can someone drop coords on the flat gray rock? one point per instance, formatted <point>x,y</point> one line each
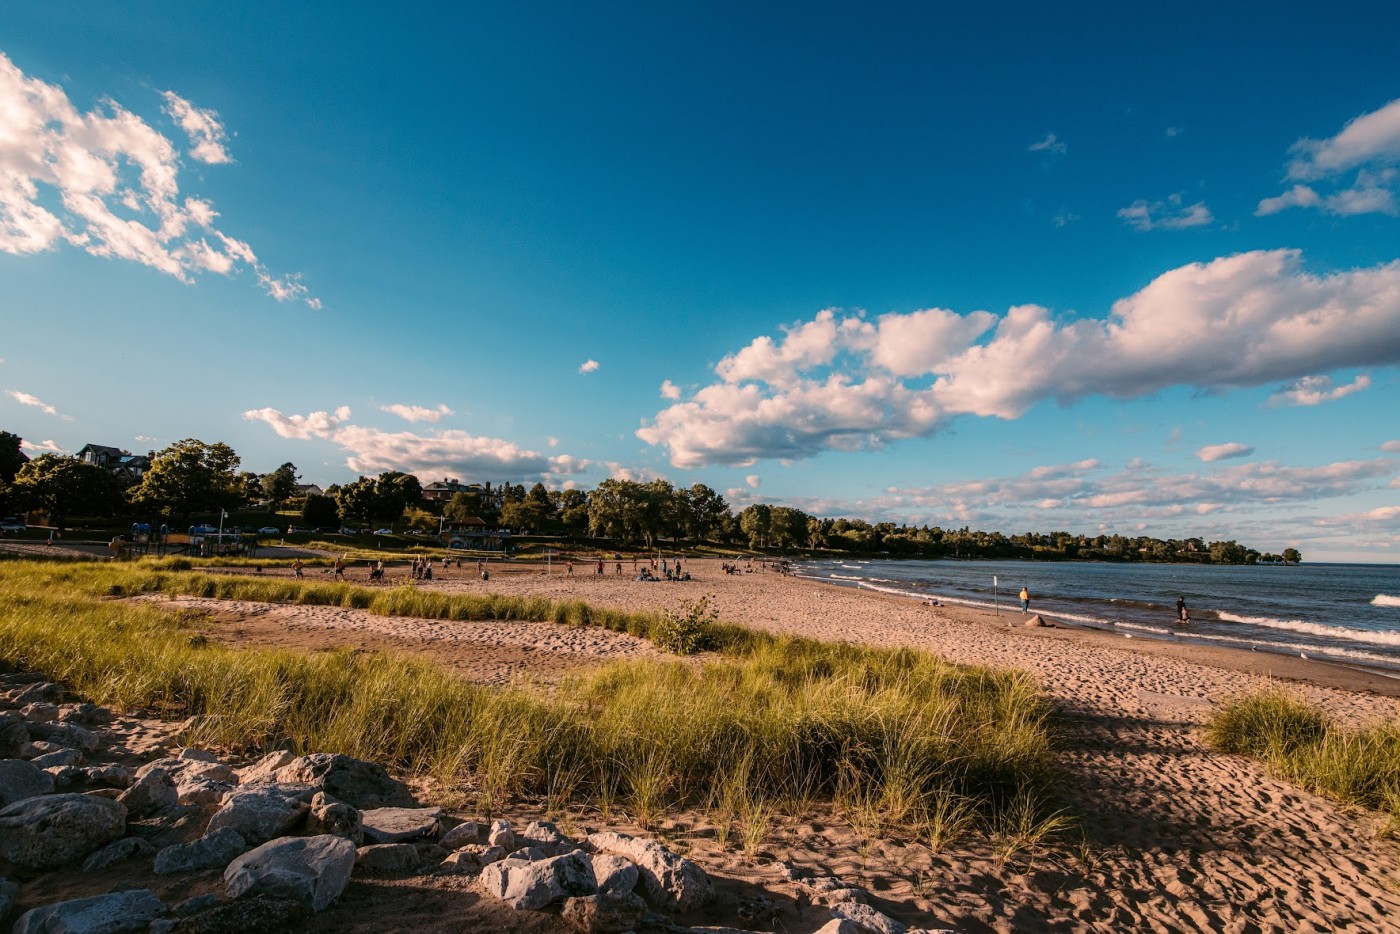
<point>118,851</point>
<point>20,780</point>
<point>39,833</point>
<point>399,825</point>
<point>387,857</point>
<point>311,871</point>
<point>102,914</point>
<point>212,851</point>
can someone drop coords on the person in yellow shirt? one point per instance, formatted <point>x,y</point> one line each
<point>1025,600</point>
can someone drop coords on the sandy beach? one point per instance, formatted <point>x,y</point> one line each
<point>1168,836</point>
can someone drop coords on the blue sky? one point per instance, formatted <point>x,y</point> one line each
<point>1091,267</point>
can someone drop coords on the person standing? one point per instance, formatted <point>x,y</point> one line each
<point>296,568</point>
<point>1025,600</point>
<point>1182,614</point>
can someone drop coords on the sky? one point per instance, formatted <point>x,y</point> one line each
<point>1093,267</point>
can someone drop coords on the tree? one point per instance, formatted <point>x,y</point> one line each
<point>358,500</point>
<point>756,523</point>
<point>525,514</point>
<point>320,512</point>
<point>1292,556</point>
<point>190,477</point>
<point>280,485</point>
<point>703,510</point>
<point>12,456</point>
<point>65,486</point>
<point>462,506</point>
<point>396,491</point>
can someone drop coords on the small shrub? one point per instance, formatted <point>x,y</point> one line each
<point>688,631</point>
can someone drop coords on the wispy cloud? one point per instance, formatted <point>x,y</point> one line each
<point>1392,447</point>
<point>1219,452</point>
<point>108,182</point>
<point>1171,214</point>
<point>1064,218</point>
<point>417,413</point>
<point>48,446</point>
<point>1050,144</point>
<point>206,133</point>
<point>847,383</point>
<point>588,366</point>
<point>1315,390</point>
<point>618,471</point>
<point>24,398</point>
<point>1356,168</point>
<point>372,450</point>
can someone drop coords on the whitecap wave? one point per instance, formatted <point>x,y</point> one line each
<point>1321,630</point>
<point>1385,599</point>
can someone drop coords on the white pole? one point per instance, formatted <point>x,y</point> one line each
<point>995,601</point>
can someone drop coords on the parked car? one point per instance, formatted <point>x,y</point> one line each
<point>12,524</point>
<point>349,531</point>
<point>269,530</point>
<point>294,530</point>
<point>383,531</point>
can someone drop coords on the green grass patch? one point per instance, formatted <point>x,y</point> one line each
<point>1301,744</point>
<point>771,725</point>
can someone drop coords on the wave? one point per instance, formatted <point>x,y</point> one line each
<point>1385,599</point>
<point>1320,630</point>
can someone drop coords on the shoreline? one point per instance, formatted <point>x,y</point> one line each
<point>1347,676</point>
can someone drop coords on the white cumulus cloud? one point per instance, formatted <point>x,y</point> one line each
<point>47,446</point>
<point>442,453</point>
<point>107,182</point>
<point>417,413</point>
<point>753,481</point>
<point>670,390</point>
<point>1217,452</point>
<point>1391,446</point>
<point>1357,168</point>
<point>850,384</point>
<point>588,366</point>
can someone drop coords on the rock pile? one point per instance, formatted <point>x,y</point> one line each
<point>289,832</point>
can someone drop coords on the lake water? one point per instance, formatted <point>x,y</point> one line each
<point>1342,612</point>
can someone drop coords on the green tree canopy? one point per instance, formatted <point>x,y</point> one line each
<point>320,512</point>
<point>280,485</point>
<point>65,486</point>
<point>396,491</point>
<point>359,500</point>
<point>190,477</point>
<point>12,456</point>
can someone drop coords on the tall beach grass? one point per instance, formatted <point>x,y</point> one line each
<point>767,726</point>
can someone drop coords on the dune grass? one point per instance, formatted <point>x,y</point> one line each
<point>1300,743</point>
<point>768,726</point>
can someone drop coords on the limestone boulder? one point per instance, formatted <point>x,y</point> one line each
<point>66,734</point>
<point>58,758</point>
<point>118,851</point>
<point>616,875</point>
<point>465,833</point>
<point>20,780</point>
<point>14,735</point>
<point>360,784</point>
<point>39,833</point>
<point>604,914</point>
<point>533,885</point>
<point>387,857</point>
<point>212,851</point>
<point>471,858</point>
<point>263,812</point>
<point>311,871</point>
<point>669,881</point>
<point>867,919</point>
<point>149,793</point>
<point>265,769</point>
<point>399,825</point>
<point>116,913</point>
<point>42,712</point>
<point>500,834</point>
<point>328,815</point>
